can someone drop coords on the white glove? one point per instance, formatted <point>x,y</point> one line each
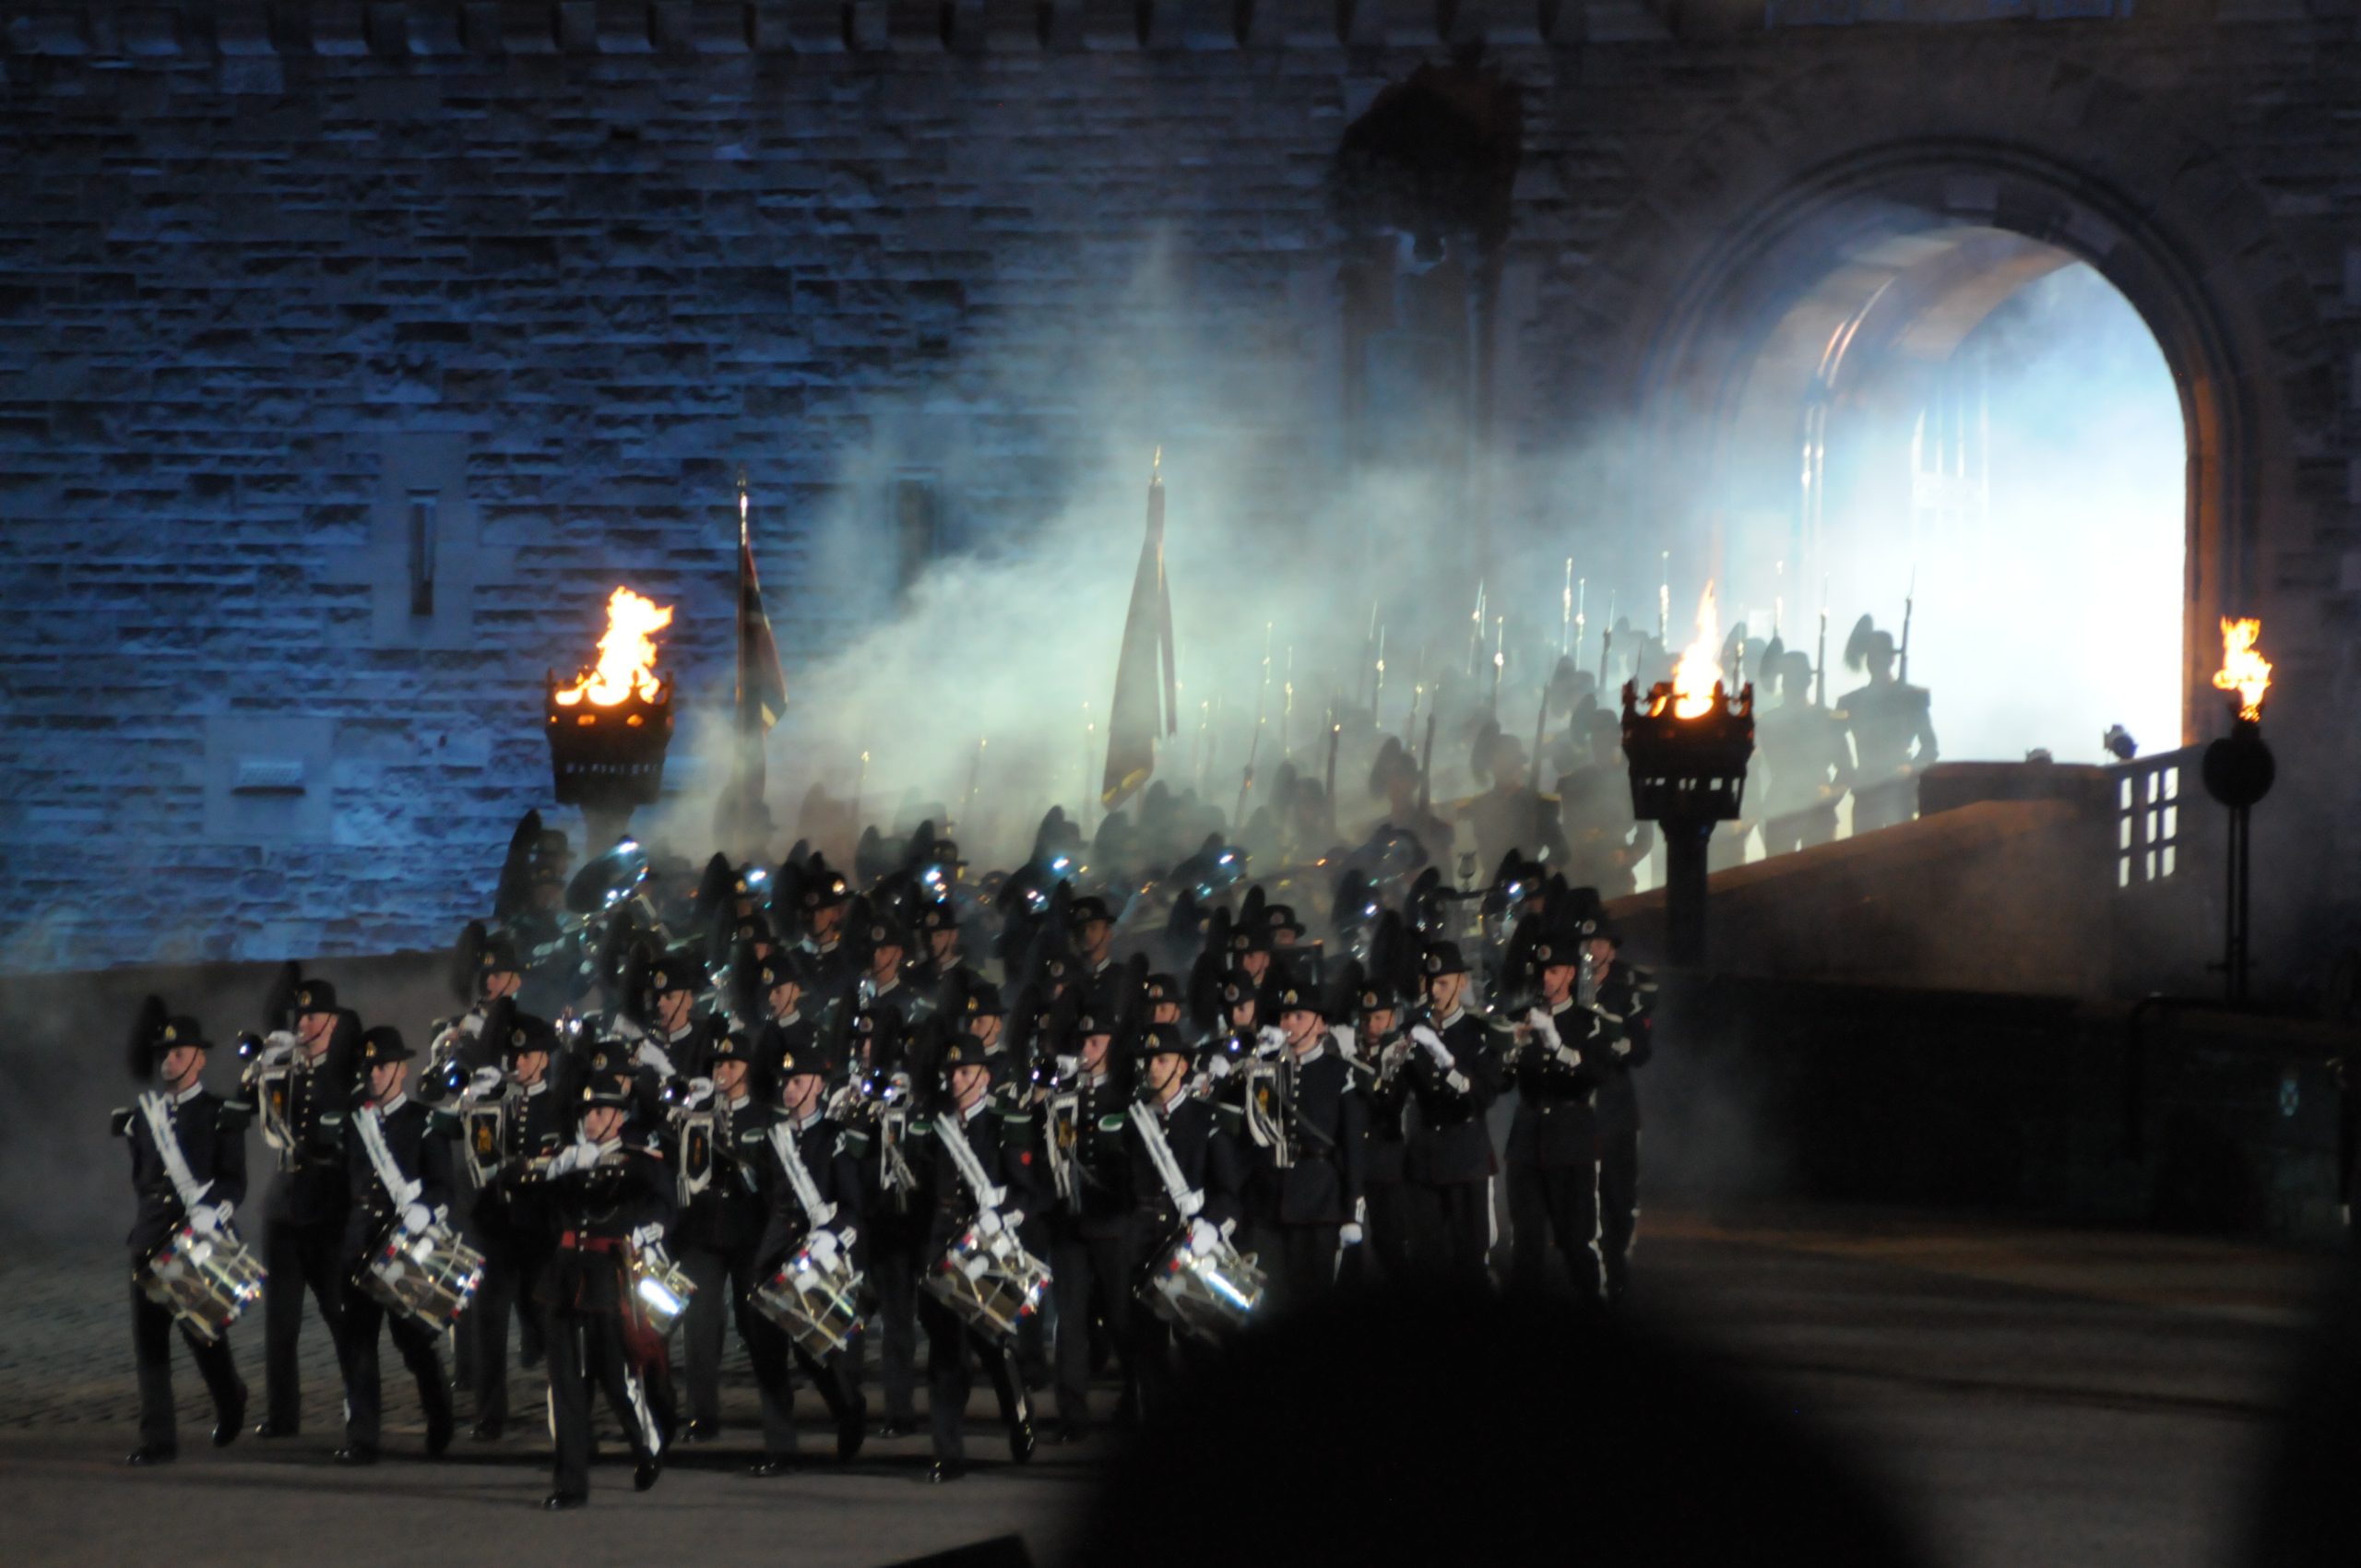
<point>1270,1037</point>
<point>1217,1069</point>
<point>1192,1205</point>
<point>486,1080</point>
<point>648,1056</point>
<point>283,1039</point>
<point>700,1091</point>
<point>1203,1238</point>
<point>579,1155</point>
<point>416,1217</point>
<point>1432,1044</point>
<point>210,1218</point>
<point>1013,1219</point>
<point>1543,1026</point>
<point>1350,1235</point>
<point>471,1025</point>
<point>1346,1040</point>
<point>1621,1046</point>
<point>648,1236</point>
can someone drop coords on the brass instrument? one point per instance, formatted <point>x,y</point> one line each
<point>270,1077</point>
<point>1268,1086</point>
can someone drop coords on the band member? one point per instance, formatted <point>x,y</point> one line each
<point>189,1167</point>
<point>993,1132</point>
<point>1213,1175</point>
<point>896,1006</point>
<point>942,968</point>
<point>510,1225</point>
<point>1306,1127</point>
<point>1093,929</point>
<point>829,1154</point>
<point>1093,1251</point>
<point>676,1045</point>
<point>401,1178</point>
<point>303,1213</point>
<point>1164,1000</point>
<point>1553,1142</point>
<point>1625,1002</point>
<point>1380,1062</point>
<point>833,970</point>
<point>896,1239</point>
<point>719,1223</point>
<point>1454,1076</point>
<point>606,1195</point>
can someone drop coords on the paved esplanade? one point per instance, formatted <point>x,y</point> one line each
<point>2034,1395</point>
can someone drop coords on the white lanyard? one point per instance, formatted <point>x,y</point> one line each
<point>1148,1124</point>
<point>807,1191</point>
<point>971,1170</point>
<point>157,1110</point>
<point>372,1143</point>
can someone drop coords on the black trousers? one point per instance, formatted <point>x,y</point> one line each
<point>509,1264</point>
<point>893,1265</point>
<point>725,1280</point>
<point>1090,1275</point>
<point>295,1256</point>
<point>1396,1241</point>
<point>1619,1208</point>
<point>363,1397</point>
<point>951,1352</point>
<point>151,1352</point>
<point>1454,1229</point>
<point>776,1358</point>
<point>1555,1209</point>
<point>1299,1262</point>
<point>582,1349</point>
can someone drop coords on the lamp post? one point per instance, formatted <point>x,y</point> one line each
<point>2238,770</point>
<point>1688,753</point>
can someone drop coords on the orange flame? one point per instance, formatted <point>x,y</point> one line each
<point>2244,670</point>
<point>1700,669</point>
<point>627,654</point>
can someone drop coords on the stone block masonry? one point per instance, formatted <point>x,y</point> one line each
<point>273,277</point>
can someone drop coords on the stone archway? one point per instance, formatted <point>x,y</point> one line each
<point>1799,182</point>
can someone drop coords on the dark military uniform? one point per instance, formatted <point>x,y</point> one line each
<point>1886,719</point>
<point>1626,999</point>
<point>830,1155</point>
<point>1210,1165</point>
<point>1380,1073</point>
<point>1449,1166</point>
<point>1553,1153</point>
<point>421,1159</point>
<point>714,1241</point>
<point>996,1131</point>
<point>212,1136</point>
<point>506,1224</point>
<point>1295,1212</point>
<point>304,1217</point>
<point>1094,1250</point>
<point>599,1196</point>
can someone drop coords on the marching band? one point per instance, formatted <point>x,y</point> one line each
<point>802,1108</point>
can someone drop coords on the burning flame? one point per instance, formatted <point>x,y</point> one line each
<point>2244,671</point>
<point>1700,669</point>
<point>627,654</point>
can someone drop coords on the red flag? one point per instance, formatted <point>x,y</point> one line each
<point>1144,706</point>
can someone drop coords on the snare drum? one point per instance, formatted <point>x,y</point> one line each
<point>662,1287</point>
<point>207,1281</point>
<point>990,1281</point>
<point>1206,1295</point>
<point>815,1296</point>
<point>429,1275</point>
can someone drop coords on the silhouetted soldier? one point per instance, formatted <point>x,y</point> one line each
<point>1892,741</point>
<point>1805,768</point>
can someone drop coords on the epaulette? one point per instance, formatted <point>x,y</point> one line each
<point>854,1141</point>
<point>442,1122</point>
<point>1113,1121</point>
<point>920,1126</point>
<point>1230,1118</point>
<point>234,1115</point>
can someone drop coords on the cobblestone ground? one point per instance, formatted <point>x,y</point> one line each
<point>2032,1395</point>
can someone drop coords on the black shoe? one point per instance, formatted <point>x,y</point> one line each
<point>772,1464</point>
<point>355,1454</point>
<point>270,1427</point>
<point>645,1475</point>
<point>487,1432</point>
<point>946,1470</point>
<point>893,1427</point>
<point>154,1454</point>
<point>851,1432</point>
<point>229,1421</point>
<point>702,1432</point>
<point>1073,1432</point>
<point>558,1500</point>
<point>1020,1442</point>
<point>438,1434</point>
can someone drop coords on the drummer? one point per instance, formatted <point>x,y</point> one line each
<point>189,1170</point>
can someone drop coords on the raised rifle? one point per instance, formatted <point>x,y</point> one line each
<point>1909,602</point>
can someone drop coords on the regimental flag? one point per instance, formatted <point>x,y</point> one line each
<point>762,683</point>
<point>1145,706</point>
